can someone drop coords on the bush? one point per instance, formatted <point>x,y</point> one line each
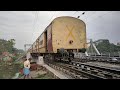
<point>14,58</point>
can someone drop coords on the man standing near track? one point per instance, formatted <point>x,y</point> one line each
<point>26,70</point>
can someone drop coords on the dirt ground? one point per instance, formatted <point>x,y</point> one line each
<point>8,71</point>
<point>41,73</point>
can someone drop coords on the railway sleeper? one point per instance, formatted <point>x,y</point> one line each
<point>76,67</point>
<point>58,68</point>
<point>73,63</point>
<point>61,69</point>
<point>65,71</point>
<point>94,71</point>
<point>108,76</point>
<point>116,76</point>
<point>108,73</point>
<point>77,64</point>
<point>100,74</point>
<point>69,73</point>
<point>73,75</point>
<point>78,77</point>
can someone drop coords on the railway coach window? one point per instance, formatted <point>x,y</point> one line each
<point>41,42</point>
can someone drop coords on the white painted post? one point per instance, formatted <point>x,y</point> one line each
<point>28,55</point>
<point>119,54</point>
<point>109,54</point>
<point>40,60</point>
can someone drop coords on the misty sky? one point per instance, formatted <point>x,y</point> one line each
<point>26,26</point>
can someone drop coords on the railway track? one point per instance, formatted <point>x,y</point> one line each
<point>80,70</point>
<point>67,70</point>
<point>115,62</point>
<point>101,71</point>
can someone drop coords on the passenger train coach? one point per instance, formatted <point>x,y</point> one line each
<point>63,35</point>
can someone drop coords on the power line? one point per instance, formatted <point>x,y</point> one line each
<point>99,34</point>
<point>59,13</point>
<point>100,16</point>
<point>75,12</point>
<point>35,21</point>
<point>81,14</point>
<point>93,13</point>
<point>53,16</point>
<point>36,17</point>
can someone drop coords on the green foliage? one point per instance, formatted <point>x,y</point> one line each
<point>3,44</point>
<point>8,46</point>
<point>8,71</point>
<point>106,46</point>
<point>14,58</point>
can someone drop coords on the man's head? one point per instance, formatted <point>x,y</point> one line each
<point>29,59</point>
<point>25,59</point>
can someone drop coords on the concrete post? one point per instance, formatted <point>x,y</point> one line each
<point>109,54</point>
<point>40,60</point>
<point>119,54</point>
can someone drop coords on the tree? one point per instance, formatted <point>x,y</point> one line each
<point>3,44</point>
<point>7,46</point>
<point>11,44</point>
<point>106,47</point>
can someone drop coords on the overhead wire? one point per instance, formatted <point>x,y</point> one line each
<point>75,13</point>
<point>95,25</point>
<point>36,16</point>
<point>51,18</point>
<point>99,16</point>
<point>90,21</point>
<point>34,23</point>
<point>58,13</point>
<point>93,13</point>
<point>95,17</point>
<point>83,13</point>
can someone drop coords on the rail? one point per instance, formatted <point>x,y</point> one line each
<point>102,71</point>
<point>74,71</point>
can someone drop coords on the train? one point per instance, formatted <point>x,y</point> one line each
<point>63,37</point>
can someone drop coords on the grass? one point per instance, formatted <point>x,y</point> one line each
<point>8,71</point>
<point>45,76</point>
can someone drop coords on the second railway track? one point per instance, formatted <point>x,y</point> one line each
<point>80,70</point>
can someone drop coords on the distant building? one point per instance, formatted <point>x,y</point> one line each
<point>118,44</point>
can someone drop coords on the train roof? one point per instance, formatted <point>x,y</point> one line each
<point>62,17</point>
<point>56,19</point>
